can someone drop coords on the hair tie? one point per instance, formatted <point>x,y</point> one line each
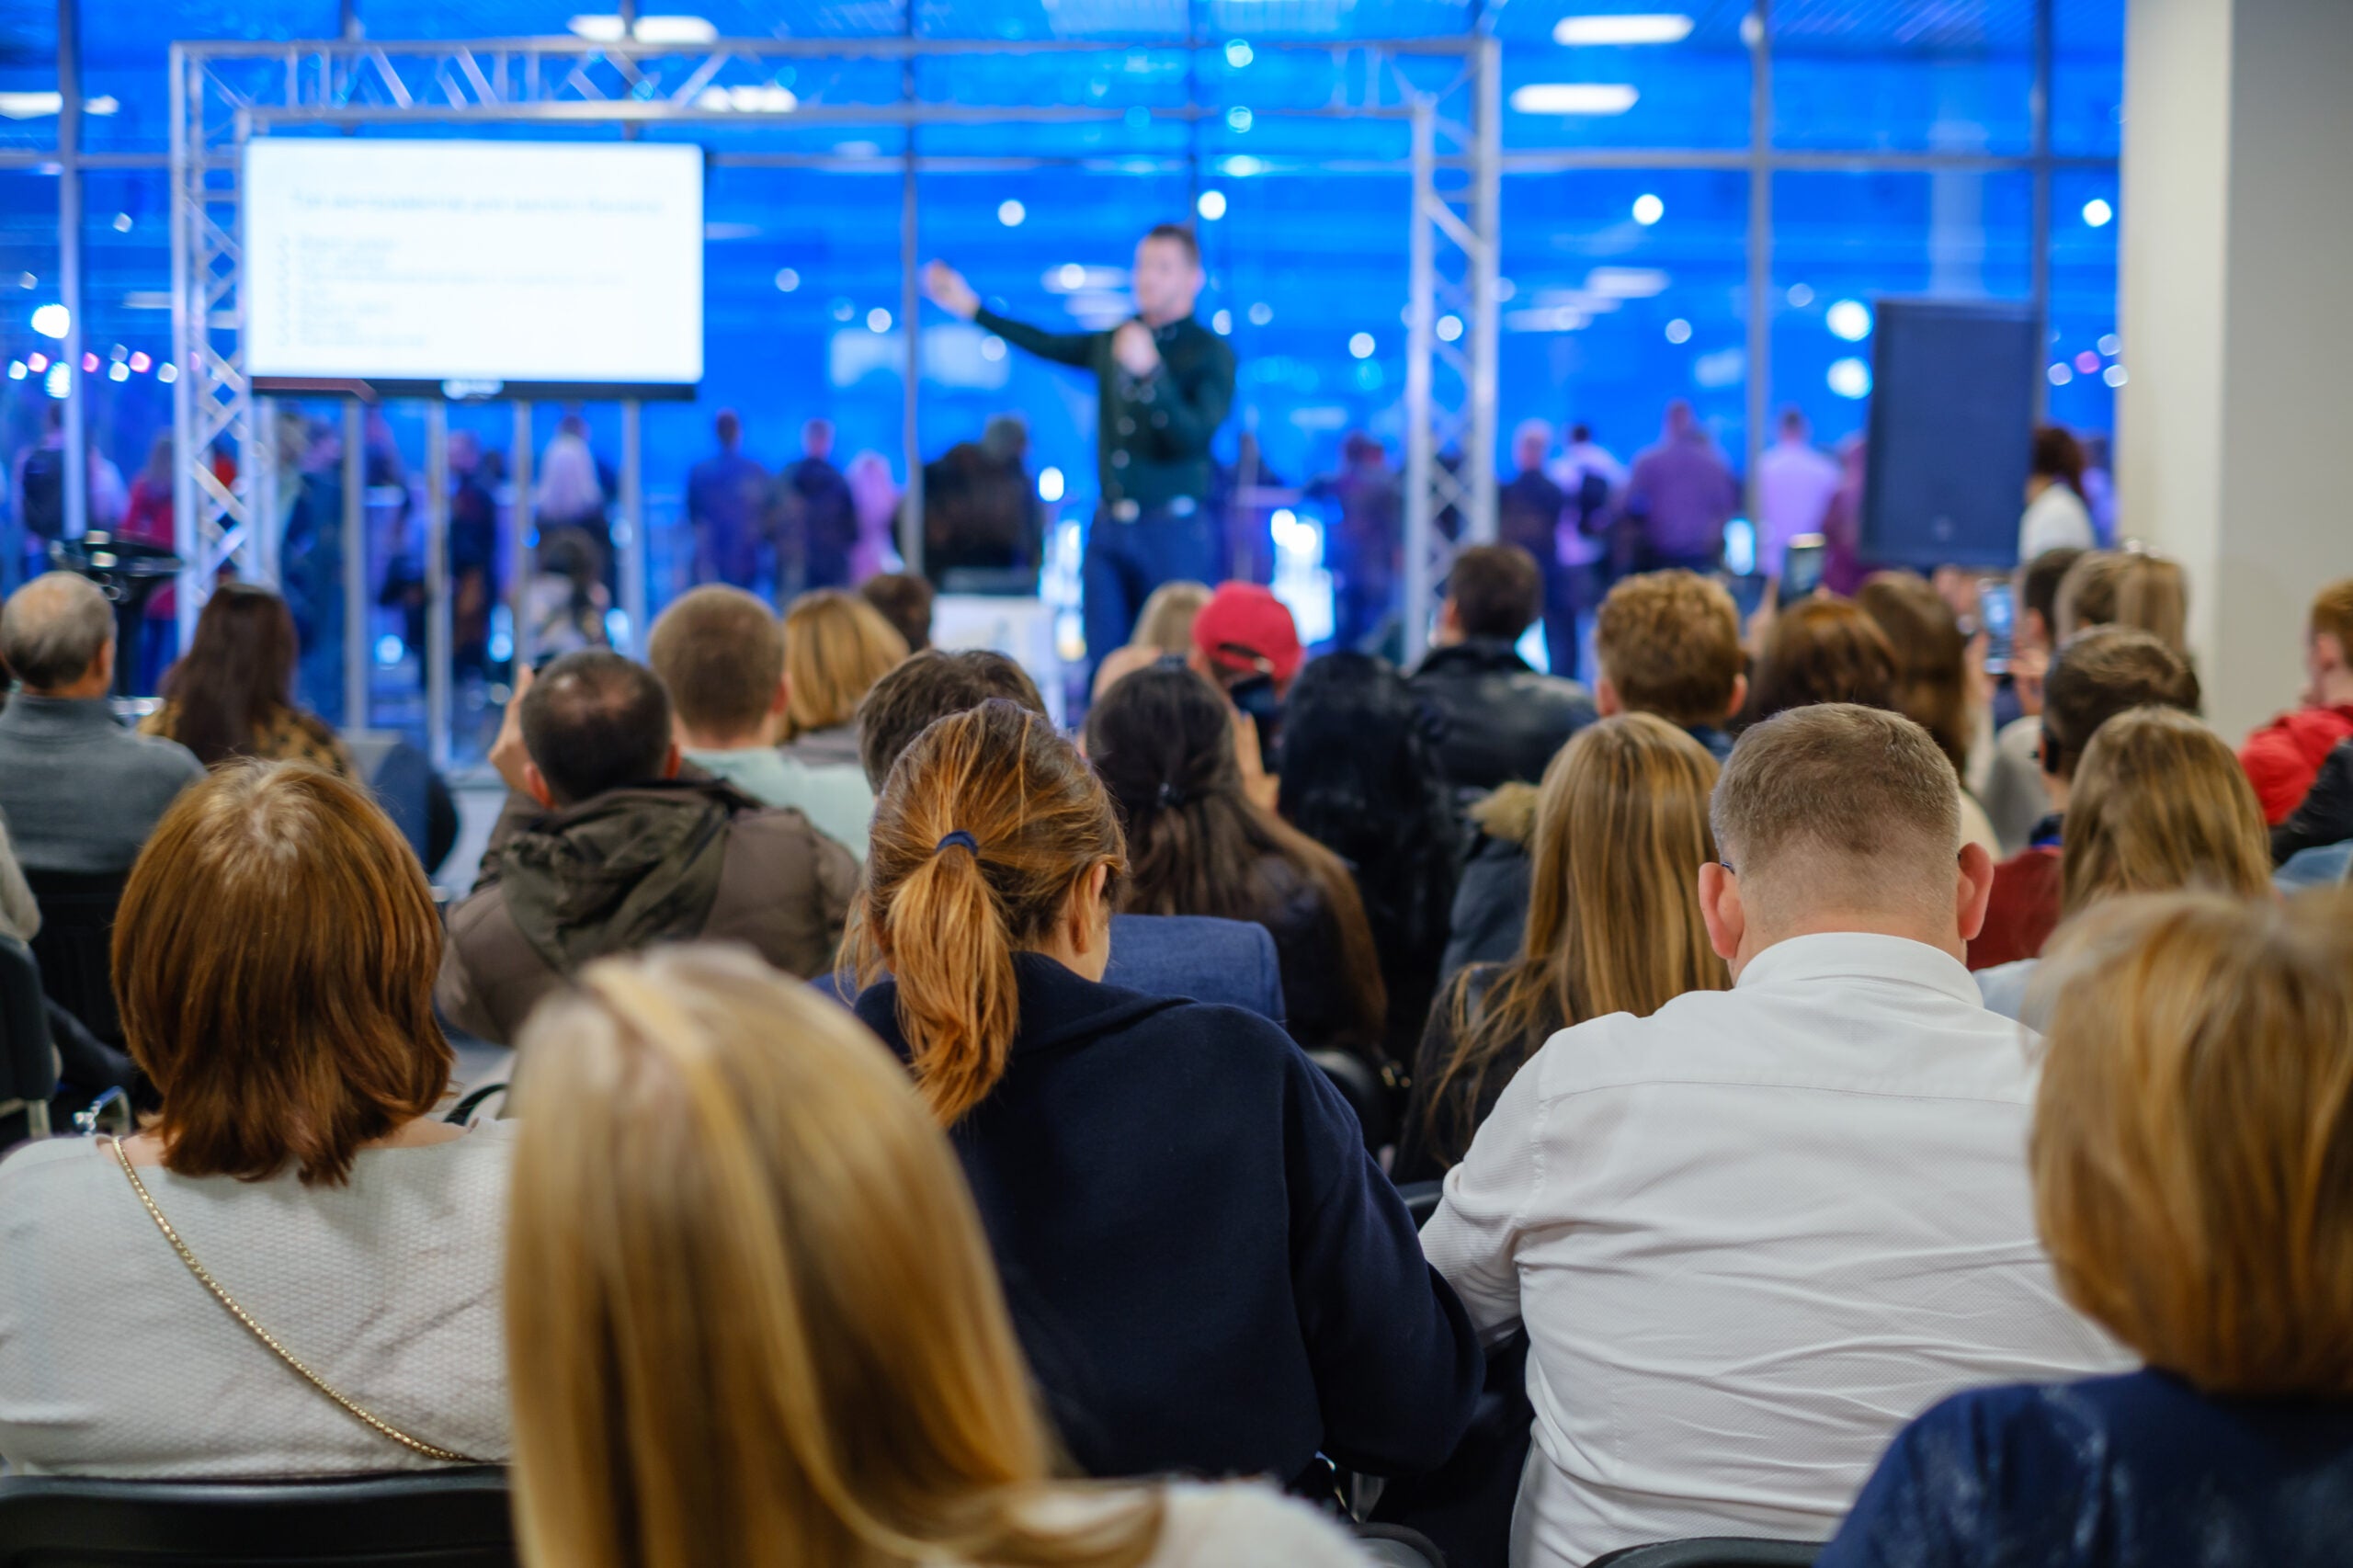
<point>1170,795</point>
<point>959,836</point>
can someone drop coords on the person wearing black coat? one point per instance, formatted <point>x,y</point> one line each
<point>2326,814</point>
<point>1502,720</point>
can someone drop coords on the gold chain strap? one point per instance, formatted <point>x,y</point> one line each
<point>446,1456</point>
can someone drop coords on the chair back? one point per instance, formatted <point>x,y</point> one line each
<point>27,1064</point>
<point>76,941</point>
<point>447,1519</point>
<point>1714,1552</point>
<point>1421,1199</point>
<point>1364,1091</point>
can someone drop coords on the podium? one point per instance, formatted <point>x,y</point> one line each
<point>128,572</point>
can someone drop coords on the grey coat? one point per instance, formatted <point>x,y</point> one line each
<point>80,792</point>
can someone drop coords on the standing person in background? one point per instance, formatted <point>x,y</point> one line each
<point>981,520</point>
<point>1681,495</point>
<point>1532,511</point>
<point>1587,546</point>
<point>1795,484</point>
<point>2055,517</point>
<point>727,504</point>
<point>874,495</point>
<point>1366,543</point>
<point>473,556</point>
<point>1842,521</point>
<point>38,491</point>
<point>1165,383</point>
<point>573,492</point>
<point>147,518</point>
<point>816,517</point>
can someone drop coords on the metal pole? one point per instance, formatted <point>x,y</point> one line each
<point>2041,243</point>
<point>187,308</point>
<point>631,538</point>
<point>518,539</point>
<point>1760,245</point>
<point>1485,259</point>
<point>262,511</point>
<point>438,641</point>
<point>358,657</point>
<point>69,264</point>
<point>1422,289</point>
<point>910,308</point>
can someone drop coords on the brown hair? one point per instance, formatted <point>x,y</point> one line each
<point>928,688</point>
<point>1178,234</point>
<point>2126,587</point>
<point>1613,914</point>
<point>1838,802</point>
<point>1669,642</point>
<point>1931,657</point>
<point>944,918</point>
<point>1497,589</point>
<point>2038,586</point>
<point>835,647</point>
<point>2056,454</point>
<point>237,675</point>
<point>1823,648</point>
<point>2098,674</point>
<point>722,654</point>
<point>702,1131</point>
<point>2193,1135</point>
<point>2160,803</point>
<point>274,956</point>
<point>904,600</point>
<point>2333,614</point>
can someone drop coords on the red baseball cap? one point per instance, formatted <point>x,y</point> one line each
<point>1244,627</point>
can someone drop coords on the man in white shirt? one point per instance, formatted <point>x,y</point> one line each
<point>1795,483</point>
<point>1753,1234</point>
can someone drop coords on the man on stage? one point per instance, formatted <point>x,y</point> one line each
<point>1166,382</point>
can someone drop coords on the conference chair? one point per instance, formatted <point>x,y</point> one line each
<point>448,1518</point>
<point>28,1063</point>
<point>1421,1199</point>
<point>75,944</point>
<point>1714,1552</point>
<point>1366,1093</point>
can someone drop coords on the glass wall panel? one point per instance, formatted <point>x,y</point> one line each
<point>1568,84</point>
<point>1904,78</point>
<point>2087,77</point>
<point>28,282</point>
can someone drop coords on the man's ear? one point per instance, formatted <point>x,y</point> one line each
<point>1739,697</point>
<point>1605,698</point>
<point>102,667</point>
<point>1720,908</point>
<point>781,698</point>
<point>1973,890</point>
<point>535,784</point>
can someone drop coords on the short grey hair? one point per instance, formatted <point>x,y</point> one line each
<point>1838,805</point>
<point>51,630</point>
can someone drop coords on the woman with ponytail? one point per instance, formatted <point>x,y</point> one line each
<point>1208,1272</point>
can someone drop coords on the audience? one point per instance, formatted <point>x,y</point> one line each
<point>1823,649</point>
<point>2324,819</point>
<point>721,654</point>
<point>275,960</point>
<point>1165,744</point>
<point>2284,757</point>
<point>904,600</point>
<point>1208,1270</point>
<point>80,793</point>
<point>705,1139</point>
<point>835,647</point>
<point>2096,676</point>
<point>2158,804</point>
<point>1613,926</point>
<point>1245,641</point>
<point>1500,720</point>
<point>2125,587</point>
<point>2014,801</point>
<point>1752,1234</point>
<point>1934,687</point>
<point>628,853</point>
<point>2192,1160</point>
<point>1359,777</point>
<point>232,694</point>
<point>1164,626</point>
<point>1668,642</point>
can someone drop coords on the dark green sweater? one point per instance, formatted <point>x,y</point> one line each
<point>1152,441</point>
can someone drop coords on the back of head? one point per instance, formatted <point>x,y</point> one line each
<point>1165,623</point>
<point>274,956</point>
<point>2125,587</point>
<point>835,647</point>
<point>987,826</point>
<point>52,630</point>
<point>926,688</point>
<point>2332,616</point>
<point>904,600</point>
<point>2056,454</point>
<point>2193,1135</point>
<point>2098,674</point>
<point>237,674</point>
<point>1823,650</point>
<point>1931,656</point>
<point>2038,586</point>
<point>728,426</point>
<point>1793,425</point>
<point>704,1130</point>
<point>2160,804</point>
<point>1244,630</point>
<point>721,654</point>
<point>1669,644</point>
<point>1497,591</point>
<point>817,437</point>
<point>1531,440</point>
<point>595,721</point>
<point>1840,810</point>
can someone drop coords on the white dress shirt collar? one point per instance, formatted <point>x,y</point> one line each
<point>1859,955</point>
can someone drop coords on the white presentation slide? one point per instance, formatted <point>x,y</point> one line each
<point>477,261</point>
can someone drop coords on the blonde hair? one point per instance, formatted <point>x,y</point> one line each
<point>1165,623</point>
<point>835,647</point>
<point>1613,912</point>
<point>2126,587</point>
<point>2160,803</point>
<point>2193,1136</point>
<point>750,1315</point>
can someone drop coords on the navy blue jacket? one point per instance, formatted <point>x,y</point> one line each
<point>1209,1273</point>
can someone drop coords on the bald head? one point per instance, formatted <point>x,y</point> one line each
<point>57,635</point>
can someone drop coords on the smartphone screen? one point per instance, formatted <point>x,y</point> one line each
<point>1802,568</point>
<point>1998,613</point>
<point>1748,590</point>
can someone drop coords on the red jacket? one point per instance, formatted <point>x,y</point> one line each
<point>2022,911</point>
<point>2283,757</point>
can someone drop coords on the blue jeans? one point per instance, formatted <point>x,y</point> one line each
<point>1125,561</point>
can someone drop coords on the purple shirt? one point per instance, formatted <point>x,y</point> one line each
<point>1794,487</point>
<point>1684,494</point>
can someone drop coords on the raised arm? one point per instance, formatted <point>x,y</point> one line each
<point>946,288</point>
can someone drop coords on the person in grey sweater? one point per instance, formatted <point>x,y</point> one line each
<point>80,792</point>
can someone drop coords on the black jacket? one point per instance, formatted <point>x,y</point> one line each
<point>1503,719</point>
<point>1207,1271</point>
<point>1491,898</point>
<point>2326,814</point>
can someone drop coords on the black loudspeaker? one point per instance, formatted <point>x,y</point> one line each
<point>1951,432</point>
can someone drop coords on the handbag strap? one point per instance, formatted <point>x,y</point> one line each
<point>446,1456</point>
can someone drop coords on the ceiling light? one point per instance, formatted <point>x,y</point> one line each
<point>2097,212</point>
<point>1639,28</point>
<point>1648,210</point>
<point>1849,379</point>
<point>650,30</point>
<point>1573,98</point>
<point>1010,213</point>
<point>1848,319</point>
<point>1213,205</point>
<point>52,321</point>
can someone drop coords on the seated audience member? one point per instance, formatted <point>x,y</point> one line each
<point>904,600</point>
<point>1613,926</point>
<point>1668,642</point>
<point>80,792</point>
<point>835,647</point>
<point>19,914</point>
<point>1165,747</point>
<point>628,855</point>
<point>2158,804</point>
<point>1229,961</point>
<point>705,1137</point>
<point>1502,719</point>
<point>2013,800</point>
<point>1164,626</point>
<point>2284,757</point>
<point>2191,1150</point>
<point>232,694</point>
<point>2324,818</point>
<point>721,654</point>
<point>1934,684</point>
<point>2125,587</point>
<point>1749,1235</point>
<point>2096,676</point>
<point>1247,643</point>
<point>275,960</point>
<point>1359,777</point>
<point>1208,1270</point>
<point>1823,649</point>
